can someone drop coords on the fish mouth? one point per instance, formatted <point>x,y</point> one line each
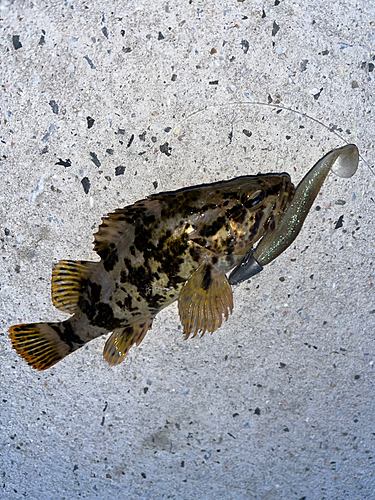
<point>285,192</point>
<point>280,185</point>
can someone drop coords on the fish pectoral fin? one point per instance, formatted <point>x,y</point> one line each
<point>203,300</point>
<point>68,280</point>
<point>122,339</point>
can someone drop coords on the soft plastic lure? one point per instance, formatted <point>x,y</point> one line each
<point>344,163</point>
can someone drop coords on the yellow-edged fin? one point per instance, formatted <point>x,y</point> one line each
<point>203,300</point>
<point>38,344</point>
<point>122,339</point>
<point>68,280</point>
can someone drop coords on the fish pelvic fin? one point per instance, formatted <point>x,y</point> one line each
<point>122,339</point>
<point>42,345</point>
<point>203,300</point>
<point>68,280</point>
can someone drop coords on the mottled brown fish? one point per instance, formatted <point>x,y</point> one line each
<point>171,246</point>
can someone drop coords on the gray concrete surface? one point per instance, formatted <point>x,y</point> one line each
<point>278,403</point>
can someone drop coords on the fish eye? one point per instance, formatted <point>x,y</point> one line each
<point>254,199</point>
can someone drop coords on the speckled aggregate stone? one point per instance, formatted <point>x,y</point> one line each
<point>104,103</point>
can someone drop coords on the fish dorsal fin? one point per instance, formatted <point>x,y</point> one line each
<point>121,340</point>
<point>203,300</point>
<point>68,281</point>
<point>121,224</point>
<point>114,227</point>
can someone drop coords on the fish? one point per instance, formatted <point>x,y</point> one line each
<point>175,245</point>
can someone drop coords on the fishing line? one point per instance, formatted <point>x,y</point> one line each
<point>275,106</point>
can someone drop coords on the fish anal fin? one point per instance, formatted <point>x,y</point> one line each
<point>68,280</point>
<point>122,339</point>
<point>39,344</point>
<point>204,299</point>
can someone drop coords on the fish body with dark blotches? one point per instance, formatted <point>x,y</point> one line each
<point>171,246</point>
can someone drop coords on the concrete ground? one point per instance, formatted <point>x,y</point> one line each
<point>106,102</point>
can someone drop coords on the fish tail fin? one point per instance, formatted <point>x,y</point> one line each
<point>43,344</point>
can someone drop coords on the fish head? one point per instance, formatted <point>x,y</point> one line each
<point>263,200</point>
